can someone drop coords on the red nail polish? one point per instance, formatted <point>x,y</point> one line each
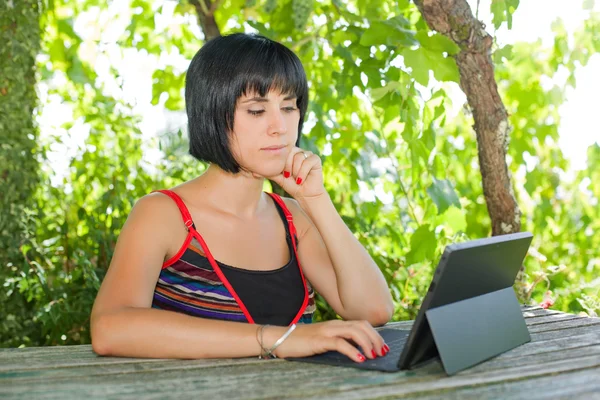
<point>286,174</point>
<point>383,351</point>
<point>361,358</point>
<point>374,354</point>
<point>299,181</point>
<point>387,348</point>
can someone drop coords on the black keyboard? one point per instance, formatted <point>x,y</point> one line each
<point>395,339</point>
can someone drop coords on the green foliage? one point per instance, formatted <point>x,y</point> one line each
<point>301,10</point>
<point>401,169</point>
<point>20,38</point>
<point>502,11</point>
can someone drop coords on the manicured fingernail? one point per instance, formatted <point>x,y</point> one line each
<point>286,174</point>
<point>374,354</point>
<point>383,351</point>
<point>361,358</point>
<point>299,181</point>
<point>387,348</point>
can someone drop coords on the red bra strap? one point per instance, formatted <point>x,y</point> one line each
<point>288,215</point>
<point>187,217</point>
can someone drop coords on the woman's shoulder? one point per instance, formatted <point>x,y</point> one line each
<point>302,221</point>
<point>157,208</point>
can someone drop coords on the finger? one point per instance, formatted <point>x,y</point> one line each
<point>311,163</point>
<point>342,346</point>
<point>360,337</point>
<point>375,338</point>
<point>299,159</point>
<point>278,179</point>
<point>289,162</point>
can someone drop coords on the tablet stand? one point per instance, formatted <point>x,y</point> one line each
<point>470,331</point>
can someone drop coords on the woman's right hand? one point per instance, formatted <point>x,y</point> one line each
<point>336,335</point>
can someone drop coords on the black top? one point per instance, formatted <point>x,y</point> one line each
<point>272,297</point>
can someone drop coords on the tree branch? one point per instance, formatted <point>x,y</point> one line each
<point>215,6</point>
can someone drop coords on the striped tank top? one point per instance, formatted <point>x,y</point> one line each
<point>194,283</point>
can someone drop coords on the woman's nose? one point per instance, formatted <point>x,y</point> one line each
<point>277,123</point>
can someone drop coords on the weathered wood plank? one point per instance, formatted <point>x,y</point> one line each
<point>279,379</point>
<point>107,368</point>
<point>20,376</point>
<point>579,384</point>
<point>441,384</point>
<point>245,381</point>
<point>57,356</point>
<point>535,359</point>
<point>536,312</point>
<point>561,343</point>
<point>543,319</point>
<point>562,333</point>
<point>563,346</point>
<point>558,325</point>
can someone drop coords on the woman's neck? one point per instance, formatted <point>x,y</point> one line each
<point>238,194</point>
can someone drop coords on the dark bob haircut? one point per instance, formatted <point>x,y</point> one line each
<point>223,70</point>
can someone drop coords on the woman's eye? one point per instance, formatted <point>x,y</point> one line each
<point>256,112</point>
<point>289,109</point>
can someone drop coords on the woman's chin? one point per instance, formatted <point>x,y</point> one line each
<point>268,171</point>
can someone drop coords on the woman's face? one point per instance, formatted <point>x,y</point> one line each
<point>265,130</point>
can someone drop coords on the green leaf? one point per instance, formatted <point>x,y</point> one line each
<point>502,53</point>
<point>420,64</point>
<point>455,219</point>
<point>446,70</point>
<point>497,9</point>
<point>422,60</point>
<point>503,11</point>
<point>390,33</point>
<point>422,245</point>
<point>437,43</point>
<point>393,86</point>
<point>443,195</point>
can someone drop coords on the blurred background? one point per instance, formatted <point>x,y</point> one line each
<point>92,118</point>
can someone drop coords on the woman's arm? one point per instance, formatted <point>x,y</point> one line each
<point>338,265</point>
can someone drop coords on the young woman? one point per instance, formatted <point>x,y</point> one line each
<point>215,267</point>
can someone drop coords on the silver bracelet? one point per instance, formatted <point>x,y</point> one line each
<point>281,340</point>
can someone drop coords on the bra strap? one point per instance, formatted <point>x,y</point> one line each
<point>288,216</point>
<point>187,217</point>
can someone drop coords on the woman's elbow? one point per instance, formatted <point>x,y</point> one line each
<point>382,314</point>
<point>98,336</point>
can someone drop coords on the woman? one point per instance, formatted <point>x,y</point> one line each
<point>165,295</point>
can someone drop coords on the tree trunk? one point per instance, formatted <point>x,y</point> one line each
<point>20,38</point>
<point>206,17</point>
<point>454,19</point>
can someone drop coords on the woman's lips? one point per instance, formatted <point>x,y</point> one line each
<point>274,149</point>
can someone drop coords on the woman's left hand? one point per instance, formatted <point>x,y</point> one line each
<point>302,176</point>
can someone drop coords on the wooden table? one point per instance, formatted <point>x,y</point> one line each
<point>562,360</point>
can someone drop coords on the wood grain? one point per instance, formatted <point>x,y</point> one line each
<point>563,360</point>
